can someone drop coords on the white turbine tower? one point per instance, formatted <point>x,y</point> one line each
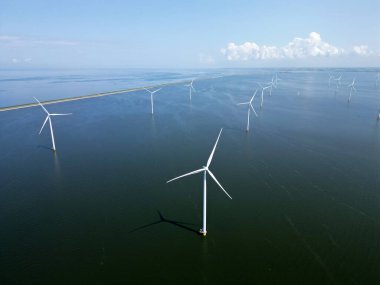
<point>377,77</point>
<point>250,106</point>
<point>262,94</point>
<point>190,87</point>
<point>352,87</point>
<point>151,96</point>
<point>50,123</point>
<point>205,170</point>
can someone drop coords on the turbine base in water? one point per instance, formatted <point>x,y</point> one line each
<point>202,232</point>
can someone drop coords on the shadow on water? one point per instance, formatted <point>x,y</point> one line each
<point>162,219</point>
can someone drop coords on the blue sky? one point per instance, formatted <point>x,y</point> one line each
<point>188,34</point>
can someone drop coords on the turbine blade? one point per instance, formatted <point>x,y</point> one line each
<point>46,111</point>
<point>43,125</point>
<point>253,109</point>
<point>186,174</point>
<point>217,182</point>
<point>245,103</point>
<point>213,150</point>
<point>254,94</point>
<point>156,90</point>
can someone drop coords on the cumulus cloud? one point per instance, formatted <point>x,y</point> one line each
<point>362,50</point>
<point>312,46</point>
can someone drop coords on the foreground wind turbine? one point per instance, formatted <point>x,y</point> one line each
<point>151,96</point>
<point>205,170</point>
<point>352,87</point>
<point>50,123</point>
<point>262,94</point>
<point>250,106</point>
<point>190,87</point>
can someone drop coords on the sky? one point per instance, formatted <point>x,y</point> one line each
<point>189,34</point>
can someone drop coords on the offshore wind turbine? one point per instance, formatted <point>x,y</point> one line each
<point>151,96</point>
<point>331,77</point>
<point>271,85</point>
<point>262,94</point>
<point>48,118</point>
<point>352,87</point>
<point>338,80</point>
<point>190,87</point>
<point>205,170</point>
<point>250,106</point>
<point>377,77</point>
<point>276,80</point>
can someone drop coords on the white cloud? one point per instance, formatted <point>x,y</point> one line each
<point>312,46</point>
<point>18,60</point>
<point>362,50</point>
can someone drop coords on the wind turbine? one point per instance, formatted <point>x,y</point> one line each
<point>250,106</point>
<point>50,123</point>
<point>190,87</point>
<point>338,80</point>
<point>151,96</point>
<point>276,80</point>
<point>377,77</point>
<point>205,170</point>
<point>331,77</point>
<point>271,85</point>
<point>352,85</point>
<point>262,94</point>
<point>378,116</point>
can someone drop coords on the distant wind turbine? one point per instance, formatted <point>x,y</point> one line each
<point>262,94</point>
<point>190,87</point>
<point>271,85</point>
<point>250,106</point>
<point>377,77</point>
<point>338,82</point>
<point>276,80</point>
<point>331,77</point>
<point>50,123</point>
<point>352,87</point>
<point>205,170</point>
<point>151,96</point>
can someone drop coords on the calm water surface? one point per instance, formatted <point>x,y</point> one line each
<point>305,183</point>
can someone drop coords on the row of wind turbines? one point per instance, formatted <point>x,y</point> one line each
<point>204,169</point>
